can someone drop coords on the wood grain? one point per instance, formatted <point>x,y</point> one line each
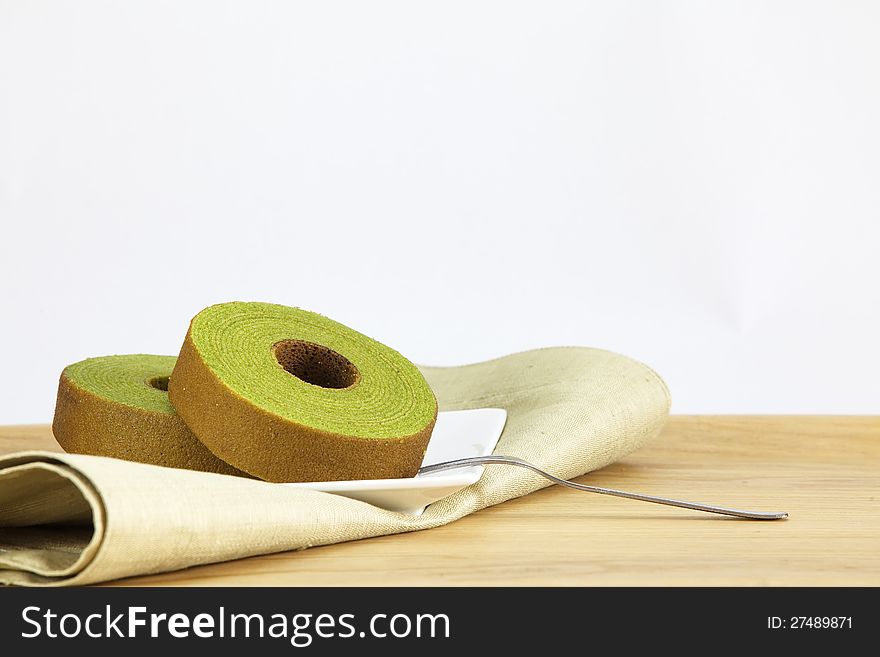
<point>825,471</point>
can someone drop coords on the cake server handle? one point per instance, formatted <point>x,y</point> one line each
<point>512,460</point>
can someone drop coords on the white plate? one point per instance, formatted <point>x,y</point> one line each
<point>457,435</point>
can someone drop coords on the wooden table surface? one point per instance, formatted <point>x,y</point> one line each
<point>825,471</point>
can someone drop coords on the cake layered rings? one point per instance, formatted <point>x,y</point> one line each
<point>118,406</point>
<point>278,393</point>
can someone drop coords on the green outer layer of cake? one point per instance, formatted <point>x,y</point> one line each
<point>126,379</point>
<point>235,340</point>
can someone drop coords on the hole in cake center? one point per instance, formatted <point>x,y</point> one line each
<point>315,364</point>
<point>159,383</point>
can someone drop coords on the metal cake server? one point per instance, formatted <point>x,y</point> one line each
<point>512,460</point>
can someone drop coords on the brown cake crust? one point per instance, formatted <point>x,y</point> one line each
<point>274,448</point>
<point>86,423</point>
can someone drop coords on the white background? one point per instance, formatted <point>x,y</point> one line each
<point>694,184</point>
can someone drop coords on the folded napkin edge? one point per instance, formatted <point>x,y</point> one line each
<point>27,569</point>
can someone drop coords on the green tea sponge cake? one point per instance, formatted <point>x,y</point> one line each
<point>118,406</point>
<point>289,395</point>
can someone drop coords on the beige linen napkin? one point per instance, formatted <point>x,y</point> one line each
<point>74,519</point>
